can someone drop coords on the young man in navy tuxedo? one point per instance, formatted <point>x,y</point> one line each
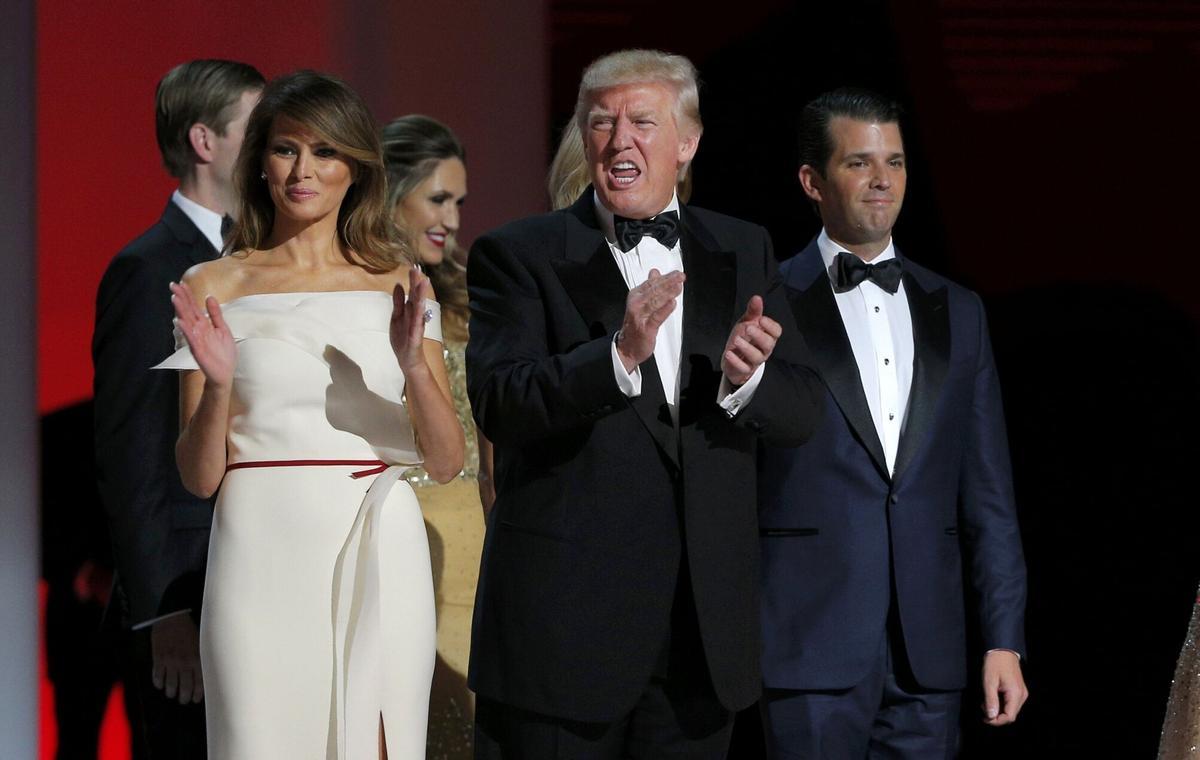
<point>865,529</point>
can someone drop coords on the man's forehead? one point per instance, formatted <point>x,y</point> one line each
<point>852,135</point>
<point>641,95</point>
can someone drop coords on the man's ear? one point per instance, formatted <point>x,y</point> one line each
<point>201,139</point>
<point>811,181</point>
<point>688,146</point>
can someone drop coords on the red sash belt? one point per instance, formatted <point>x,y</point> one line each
<point>376,466</point>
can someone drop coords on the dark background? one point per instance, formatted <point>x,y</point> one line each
<point>1051,169</point>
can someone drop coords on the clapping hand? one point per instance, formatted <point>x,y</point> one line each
<point>207,335</point>
<point>407,328</point>
<point>646,308</point>
<point>750,343</point>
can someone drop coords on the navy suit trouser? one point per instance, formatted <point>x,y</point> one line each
<point>886,716</point>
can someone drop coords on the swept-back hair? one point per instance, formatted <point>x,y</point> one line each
<point>816,143</point>
<point>328,108</point>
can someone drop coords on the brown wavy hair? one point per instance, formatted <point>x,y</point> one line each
<point>413,146</point>
<point>336,114</point>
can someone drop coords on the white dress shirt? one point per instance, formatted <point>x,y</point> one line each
<point>635,265</point>
<point>206,220</point>
<point>879,325</point>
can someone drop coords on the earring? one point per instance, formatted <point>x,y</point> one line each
<point>263,175</point>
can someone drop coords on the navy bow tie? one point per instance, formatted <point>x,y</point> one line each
<point>664,228</point>
<point>850,271</point>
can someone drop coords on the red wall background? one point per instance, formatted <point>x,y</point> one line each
<point>100,180</point>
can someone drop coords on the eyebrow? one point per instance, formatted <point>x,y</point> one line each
<point>869,154</point>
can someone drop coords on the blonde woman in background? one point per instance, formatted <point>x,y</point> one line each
<point>427,184</point>
<point>568,176</point>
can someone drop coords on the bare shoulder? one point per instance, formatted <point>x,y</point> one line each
<point>222,278</point>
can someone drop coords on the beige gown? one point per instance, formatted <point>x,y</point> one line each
<point>318,617</point>
<point>454,519</point>
<point>1181,728</point>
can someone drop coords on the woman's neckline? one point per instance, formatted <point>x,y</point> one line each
<point>306,293</point>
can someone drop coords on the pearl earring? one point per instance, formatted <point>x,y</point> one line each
<point>263,175</point>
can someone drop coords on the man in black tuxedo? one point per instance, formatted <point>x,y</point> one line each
<point>617,610</point>
<point>865,530</point>
<point>159,530</point>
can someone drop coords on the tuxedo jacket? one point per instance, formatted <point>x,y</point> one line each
<point>841,537</point>
<point>602,501</point>
<point>159,530</point>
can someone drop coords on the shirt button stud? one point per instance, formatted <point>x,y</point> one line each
<point>891,415</point>
<point>887,362</point>
<point>876,309</point>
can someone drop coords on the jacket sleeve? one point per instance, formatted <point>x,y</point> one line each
<point>134,413</point>
<point>520,392</point>
<point>988,509</point>
<point>787,403</point>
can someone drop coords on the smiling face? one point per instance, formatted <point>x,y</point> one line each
<point>862,188</point>
<point>635,148</point>
<point>430,213</point>
<point>306,176</point>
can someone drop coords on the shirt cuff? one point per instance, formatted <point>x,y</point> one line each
<point>630,383</point>
<point>1002,649</point>
<point>733,402</point>
<point>152,621</point>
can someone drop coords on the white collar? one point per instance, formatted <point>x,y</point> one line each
<point>205,219</point>
<point>830,249</point>
<point>606,217</point>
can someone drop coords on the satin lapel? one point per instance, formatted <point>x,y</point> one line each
<point>931,356</point>
<point>708,314</point>
<point>594,284</point>
<point>820,321</point>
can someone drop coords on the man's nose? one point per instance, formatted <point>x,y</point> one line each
<point>622,135</point>
<point>882,179</point>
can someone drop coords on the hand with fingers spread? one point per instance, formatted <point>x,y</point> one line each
<point>407,328</point>
<point>208,335</point>
<point>175,652</point>
<point>646,308</point>
<point>750,343</point>
<point>1004,690</point>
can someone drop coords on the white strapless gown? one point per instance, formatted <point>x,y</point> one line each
<point>318,614</point>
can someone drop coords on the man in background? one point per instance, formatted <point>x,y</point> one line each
<point>159,530</point>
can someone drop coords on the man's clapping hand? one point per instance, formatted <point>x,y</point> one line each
<point>646,307</point>
<point>750,343</point>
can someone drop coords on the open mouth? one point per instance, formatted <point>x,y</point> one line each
<point>437,238</point>
<point>624,173</point>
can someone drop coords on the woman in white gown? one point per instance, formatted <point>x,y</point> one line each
<point>311,384</point>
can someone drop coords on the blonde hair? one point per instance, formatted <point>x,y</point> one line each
<point>569,177</point>
<point>336,114</point>
<point>639,67</point>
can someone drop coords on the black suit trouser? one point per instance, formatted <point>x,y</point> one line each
<point>677,715</point>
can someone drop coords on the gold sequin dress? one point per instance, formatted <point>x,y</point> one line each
<point>1181,728</point>
<point>454,522</point>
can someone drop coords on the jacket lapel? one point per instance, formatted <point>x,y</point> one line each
<point>594,284</point>
<point>931,356</point>
<point>197,246</point>
<point>818,318</point>
<point>708,313</point>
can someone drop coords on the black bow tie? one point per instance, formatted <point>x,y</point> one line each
<point>850,271</point>
<point>226,226</point>
<point>664,228</point>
